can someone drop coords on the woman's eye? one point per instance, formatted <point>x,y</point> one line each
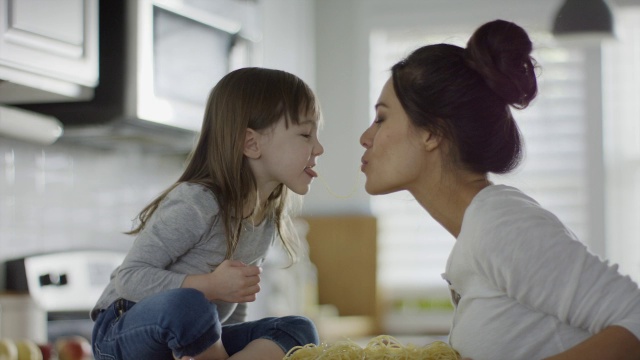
<point>378,119</point>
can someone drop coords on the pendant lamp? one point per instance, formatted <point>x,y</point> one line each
<point>584,18</point>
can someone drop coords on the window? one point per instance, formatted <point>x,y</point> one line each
<point>621,69</point>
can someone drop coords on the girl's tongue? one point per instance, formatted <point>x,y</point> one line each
<point>310,172</point>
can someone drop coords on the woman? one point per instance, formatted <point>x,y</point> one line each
<point>523,286</point>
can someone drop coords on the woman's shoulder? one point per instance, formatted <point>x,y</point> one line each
<point>501,211</point>
<point>499,208</point>
<point>504,200</point>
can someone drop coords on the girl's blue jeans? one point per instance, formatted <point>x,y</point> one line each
<point>182,322</point>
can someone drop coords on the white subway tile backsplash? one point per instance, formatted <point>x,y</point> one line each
<point>65,196</point>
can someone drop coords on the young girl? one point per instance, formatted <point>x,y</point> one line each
<point>181,291</point>
<point>523,286</point>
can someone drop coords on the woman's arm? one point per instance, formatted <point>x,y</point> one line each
<point>541,264</point>
<point>614,342</point>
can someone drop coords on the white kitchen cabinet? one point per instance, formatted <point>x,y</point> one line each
<point>48,50</point>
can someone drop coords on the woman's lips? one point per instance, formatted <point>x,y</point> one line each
<point>364,164</point>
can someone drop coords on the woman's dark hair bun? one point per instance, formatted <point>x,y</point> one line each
<point>500,51</point>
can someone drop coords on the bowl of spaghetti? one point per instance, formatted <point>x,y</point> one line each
<point>381,347</point>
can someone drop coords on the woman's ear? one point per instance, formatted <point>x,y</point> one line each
<point>252,144</point>
<point>431,141</point>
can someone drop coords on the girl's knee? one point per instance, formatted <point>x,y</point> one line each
<point>177,299</point>
<point>191,321</point>
<point>188,307</point>
<point>302,329</point>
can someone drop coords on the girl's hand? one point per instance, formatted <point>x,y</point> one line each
<point>232,281</point>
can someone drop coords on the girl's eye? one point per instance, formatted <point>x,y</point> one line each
<point>308,136</point>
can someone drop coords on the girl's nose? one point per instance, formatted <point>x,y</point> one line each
<point>319,150</point>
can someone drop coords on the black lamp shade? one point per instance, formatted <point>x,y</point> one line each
<point>583,16</point>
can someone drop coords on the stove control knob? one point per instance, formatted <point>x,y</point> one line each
<point>53,279</point>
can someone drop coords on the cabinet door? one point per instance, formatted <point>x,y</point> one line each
<point>52,38</point>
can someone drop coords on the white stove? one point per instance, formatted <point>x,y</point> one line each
<point>66,285</point>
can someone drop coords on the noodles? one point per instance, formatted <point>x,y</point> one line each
<point>383,347</point>
<point>351,192</point>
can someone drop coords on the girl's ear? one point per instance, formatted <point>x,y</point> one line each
<point>252,144</point>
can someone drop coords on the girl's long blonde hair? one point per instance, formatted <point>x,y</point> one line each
<point>248,98</point>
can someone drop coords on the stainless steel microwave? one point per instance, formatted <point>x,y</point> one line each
<point>180,49</point>
<point>159,59</point>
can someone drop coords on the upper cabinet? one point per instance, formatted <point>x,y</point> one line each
<point>48,50</point>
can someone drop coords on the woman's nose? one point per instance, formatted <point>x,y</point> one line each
<point>365,139</point>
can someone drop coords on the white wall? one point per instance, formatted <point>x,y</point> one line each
<point>65,196</point>
<point>342,82</point>
<point>288,41</point>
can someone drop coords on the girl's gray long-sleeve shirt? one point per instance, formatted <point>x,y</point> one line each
<point>184,236</point>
